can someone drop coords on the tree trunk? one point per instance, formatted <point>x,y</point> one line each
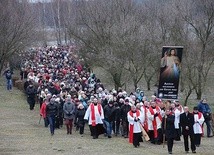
<point>199,88</point>
<point>187,96</point>
<point>148,83</point>
<point>117,80</point>
<point>135,83</point>
<point>1,65</point>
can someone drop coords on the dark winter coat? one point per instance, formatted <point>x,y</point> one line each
<point>31,92</point>
<point>117,113</point>
<point>51,109</point>
<point>79,118</point>
<point>124,110</point>
<point>170,127</point>
<point>109,113</point>
<point>187,121</point>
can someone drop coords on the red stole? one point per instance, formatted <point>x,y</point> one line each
<point>154,122</point>
<point>131,126</point>
<point>145,125</point>
<point>93,113</point>
<point>199,117</point>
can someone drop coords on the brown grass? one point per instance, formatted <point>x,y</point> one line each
<point>20,133</point>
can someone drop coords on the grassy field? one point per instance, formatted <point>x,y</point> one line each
<point>21,133</point>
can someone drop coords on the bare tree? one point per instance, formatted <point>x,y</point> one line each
<point>16,27</point>
<point>199,16</point>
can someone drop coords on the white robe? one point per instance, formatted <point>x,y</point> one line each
<point>177,118</point>
<point>142,111</point>
<point>136,128</point>
<point>197,127</point>
<point>98,117</point>
<point>151,118</point>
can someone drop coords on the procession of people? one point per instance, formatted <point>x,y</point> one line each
<point>68,93</point>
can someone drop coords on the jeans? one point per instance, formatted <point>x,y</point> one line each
<point>108,127</point>
<point>208,127</point>
<point>51,120</point>
<point>9,84</point>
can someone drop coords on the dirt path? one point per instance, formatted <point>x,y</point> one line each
<point>20,133</point>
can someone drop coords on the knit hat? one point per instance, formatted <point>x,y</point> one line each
<point>195,108</point>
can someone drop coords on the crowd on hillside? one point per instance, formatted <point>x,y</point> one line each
<point>68,93</point>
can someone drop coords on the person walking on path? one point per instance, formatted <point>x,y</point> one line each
<point>204,108</point>
<point>187,122</point>
<point>51,113</point>
<point>69,114</point>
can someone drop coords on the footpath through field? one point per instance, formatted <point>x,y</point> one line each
<point>21,133</point>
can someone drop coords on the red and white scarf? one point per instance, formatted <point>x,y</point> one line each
<point>154,122</point>
<point>131,126</point>
<point>93,120</point>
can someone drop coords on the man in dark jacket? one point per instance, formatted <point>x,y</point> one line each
<point>168,129</point>
<point>124,110</point>
<point>8,76</point>
<point>51,112</point>
<point>204,108</point>
<point>31,93</point>
<point>116,123</point>
<point>109,117</point>
<point>187,122</point>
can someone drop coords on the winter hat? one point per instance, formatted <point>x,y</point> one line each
<point>126,100</point>
<point>195,108</point>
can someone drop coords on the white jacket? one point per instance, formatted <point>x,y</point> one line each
<point>98,117</point>
<point>177,118</point>
<point>197,127</point>
<point>151,118</point>
<point>136,128</point>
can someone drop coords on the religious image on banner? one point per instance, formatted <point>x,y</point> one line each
<point>170,72</point>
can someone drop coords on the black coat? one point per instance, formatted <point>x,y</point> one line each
<point>109,113</point>
<point>51,109</point>
<point>124,110</point>
<point>170,127</point>
<point>31,93</point>
<point>187,120</point>
<point>117,113</point>
<point>79,119</point>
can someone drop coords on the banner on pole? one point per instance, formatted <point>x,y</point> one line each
<point>170,72</point>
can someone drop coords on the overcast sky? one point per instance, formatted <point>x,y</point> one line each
<point>36,1</point>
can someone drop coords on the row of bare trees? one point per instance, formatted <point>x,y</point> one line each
<point>124,37</point>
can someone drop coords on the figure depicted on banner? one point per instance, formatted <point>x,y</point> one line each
<point>170,64</point>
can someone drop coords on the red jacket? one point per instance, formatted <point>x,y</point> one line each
<point>43,110</point>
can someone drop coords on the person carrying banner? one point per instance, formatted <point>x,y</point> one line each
<point>154,123</point>
<point>95,116</point>
<point>177,111</point>
<point>135,118</point>
<point>168,128</point>
<point>197,127</point>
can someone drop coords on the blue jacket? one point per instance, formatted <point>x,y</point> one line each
<point>204,108</point>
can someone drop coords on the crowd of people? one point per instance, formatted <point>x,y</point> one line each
<point>68,93</point>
